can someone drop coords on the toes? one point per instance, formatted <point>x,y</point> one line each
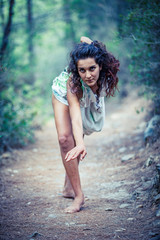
<point>75,206</point>
<point>72,210</point>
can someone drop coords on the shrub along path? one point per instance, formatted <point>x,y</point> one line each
<point>115,181</point>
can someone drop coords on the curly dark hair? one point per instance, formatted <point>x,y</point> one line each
<point>108,74</point>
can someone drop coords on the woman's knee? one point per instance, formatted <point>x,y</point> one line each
<point>65,141</point>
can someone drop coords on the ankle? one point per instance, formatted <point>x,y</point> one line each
<point>79,195</point>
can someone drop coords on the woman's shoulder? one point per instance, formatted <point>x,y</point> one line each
<point>62,77</point>
<point>65,74</point>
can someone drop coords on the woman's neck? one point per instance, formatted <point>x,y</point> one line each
<point>94,88</point>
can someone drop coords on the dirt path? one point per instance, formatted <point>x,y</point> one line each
<point>116,204</point>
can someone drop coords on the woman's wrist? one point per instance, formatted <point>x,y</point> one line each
<point>80,143</point>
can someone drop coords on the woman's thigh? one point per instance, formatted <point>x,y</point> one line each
<point>62,118</point>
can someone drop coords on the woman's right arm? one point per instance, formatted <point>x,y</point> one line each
<point>77,127</point>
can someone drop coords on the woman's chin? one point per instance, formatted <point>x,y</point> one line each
<point>91,82</point>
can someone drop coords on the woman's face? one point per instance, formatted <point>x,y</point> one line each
<point>89,71</point>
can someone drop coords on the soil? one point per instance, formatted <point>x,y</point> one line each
<point>118,192</point>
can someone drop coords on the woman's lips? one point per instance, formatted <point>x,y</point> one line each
<point>90,80</point>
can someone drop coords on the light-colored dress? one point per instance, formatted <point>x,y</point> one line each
<point>93,113</point>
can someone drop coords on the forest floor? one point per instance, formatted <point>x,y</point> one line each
<point>115,178</point>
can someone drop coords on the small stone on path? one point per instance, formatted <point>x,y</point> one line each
<point>52,216</point>
<point>139,206</point>
<point>121,230</point>
<point>34,150</point>
<point>158,213</point>
<point>156,223</point>
<point>122,149</point>
<point>36,234</point>
<point>130,219</point>
<point>6,155</point>
<point>156,238</point>
<point>124,205</point>
<point>149,161</point>
<point>147,185</point>
<point>127,157</point>
<point>157,198</point>
<point>109,209</point>
<point>152,234</point>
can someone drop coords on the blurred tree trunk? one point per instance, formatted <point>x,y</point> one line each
<point>70,36</point>
<point>121,11</point>
<point>30,32</point>
<point>30,29</point>
<point>2,14</point>
<point>7,29</point>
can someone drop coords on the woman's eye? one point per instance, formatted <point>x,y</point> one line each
<point>92,68</point>
<point>81,70</point>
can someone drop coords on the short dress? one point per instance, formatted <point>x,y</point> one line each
<point>93,112</point>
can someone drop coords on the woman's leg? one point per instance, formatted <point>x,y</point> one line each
<point>68,191</point>
<point>66,142</point>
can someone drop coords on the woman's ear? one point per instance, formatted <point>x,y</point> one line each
<point>100,68</point>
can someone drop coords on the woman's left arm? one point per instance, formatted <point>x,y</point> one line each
<point>77,127</point>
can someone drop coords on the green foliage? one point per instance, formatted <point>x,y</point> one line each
<point>16,117</point>
<point>15,126</point>
<point>142,24</point>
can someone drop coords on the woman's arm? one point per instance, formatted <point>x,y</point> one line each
<point>76,120</point>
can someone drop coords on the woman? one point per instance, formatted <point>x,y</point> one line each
<point>78,103</point>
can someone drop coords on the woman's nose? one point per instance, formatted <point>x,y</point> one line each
<point>88,74</point>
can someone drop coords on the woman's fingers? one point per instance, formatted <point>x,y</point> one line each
<point>83,155</point>
<point>68,156</point>
<point>74,153</point>
<point>71,156</point>
<point>86,40</point>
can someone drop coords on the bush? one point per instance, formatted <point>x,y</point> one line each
<point>16,118</point>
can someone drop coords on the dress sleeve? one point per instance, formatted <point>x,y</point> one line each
<point>60,83</point>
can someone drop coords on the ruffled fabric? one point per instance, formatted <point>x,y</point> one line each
<point>59,87</point>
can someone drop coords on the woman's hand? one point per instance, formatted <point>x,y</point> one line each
<point>86,40</point>
<point>75,152</point>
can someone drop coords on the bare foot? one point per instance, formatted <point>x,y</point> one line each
<point>68,193</point>
<point>76,205</point>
